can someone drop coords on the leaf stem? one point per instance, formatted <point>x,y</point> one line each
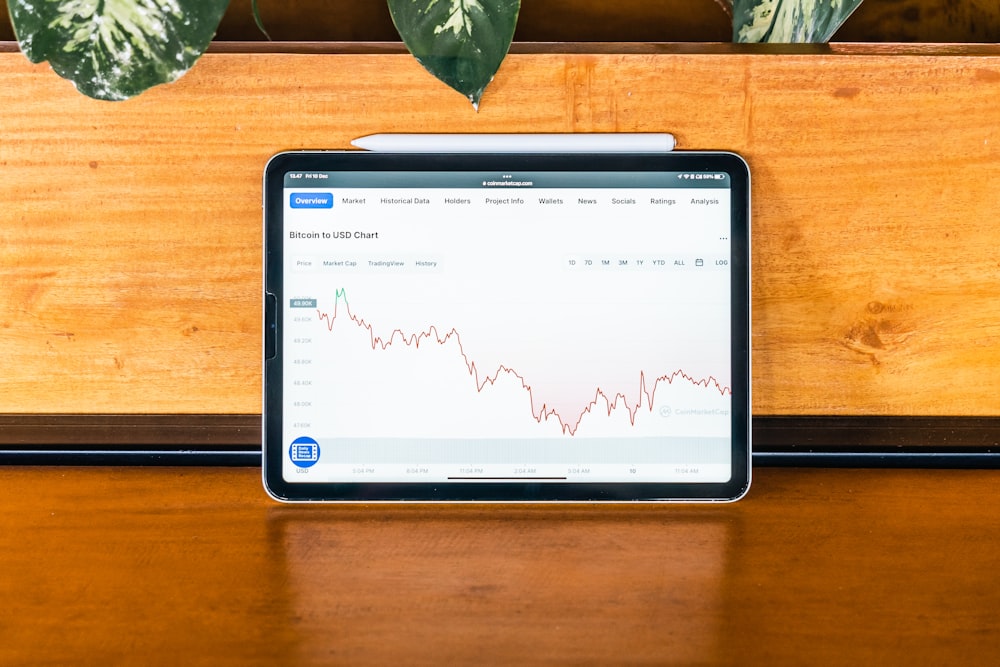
<point>258,21</point>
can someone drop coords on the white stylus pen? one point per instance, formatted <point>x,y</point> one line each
<point>610,142</point>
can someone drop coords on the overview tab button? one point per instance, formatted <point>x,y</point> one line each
<point>311,200</point>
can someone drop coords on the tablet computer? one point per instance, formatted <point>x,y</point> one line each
<point>506,327</point>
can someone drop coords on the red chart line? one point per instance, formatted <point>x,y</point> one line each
<point>568,426</point>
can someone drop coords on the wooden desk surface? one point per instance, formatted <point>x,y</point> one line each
<point>197,566</point>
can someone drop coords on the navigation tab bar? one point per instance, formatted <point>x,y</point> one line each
<point>367,263</point>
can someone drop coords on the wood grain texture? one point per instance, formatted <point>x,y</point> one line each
<point>598,20</point>
<point>923,21</point>
<point>539,20</point>
<point>188,566</point>
<point>130,253</point>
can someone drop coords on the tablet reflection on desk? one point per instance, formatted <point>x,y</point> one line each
<point>464,584</point>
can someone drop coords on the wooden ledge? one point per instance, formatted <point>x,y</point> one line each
<point>609,48</point>
<point>236,440</point>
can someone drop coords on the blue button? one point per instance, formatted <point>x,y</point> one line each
<point>304,452</point>
<point>311,200</point>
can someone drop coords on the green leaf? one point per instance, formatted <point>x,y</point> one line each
<point>461,42</point>
<point>114,49</point>
<point>786,21</point>
<point>259,21</point>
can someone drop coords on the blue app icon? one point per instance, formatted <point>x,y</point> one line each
<point>304,452</point>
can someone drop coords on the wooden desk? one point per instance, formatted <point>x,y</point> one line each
<point>188,566</point>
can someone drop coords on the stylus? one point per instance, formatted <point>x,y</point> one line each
<point>636,142</point>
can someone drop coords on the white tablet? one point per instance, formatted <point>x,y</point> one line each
<point>506,327</point>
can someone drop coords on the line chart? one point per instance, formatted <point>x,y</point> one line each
<point>605,400</point>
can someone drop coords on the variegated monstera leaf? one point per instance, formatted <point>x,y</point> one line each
<point>114,49</point>
<point>787,21</point>
<point>461,42</point>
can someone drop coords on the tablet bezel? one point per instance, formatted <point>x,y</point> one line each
<point>506,491</point>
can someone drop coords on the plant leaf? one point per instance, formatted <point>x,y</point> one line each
<point>786,21</point>
<point>114,49</point>
<point>259,21</point>
<point>461,42</point>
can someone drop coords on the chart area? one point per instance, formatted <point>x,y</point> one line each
<point>460,341</point>
<point>519,385</point>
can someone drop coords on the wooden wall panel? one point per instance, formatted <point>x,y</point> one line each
<point>130,251</point>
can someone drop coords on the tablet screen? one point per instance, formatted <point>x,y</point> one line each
<point>507,327</point>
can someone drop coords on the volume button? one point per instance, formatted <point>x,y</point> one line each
<point>270,326</point>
